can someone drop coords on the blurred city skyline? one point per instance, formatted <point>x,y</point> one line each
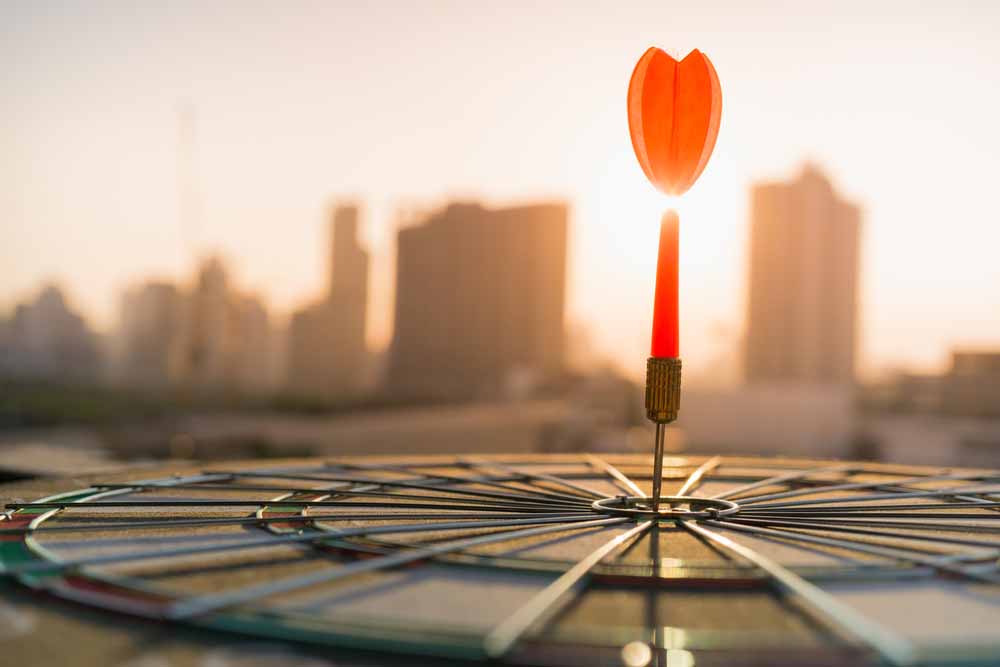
<point>292,107</point>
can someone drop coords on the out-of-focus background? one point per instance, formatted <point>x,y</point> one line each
<point>276,229</point>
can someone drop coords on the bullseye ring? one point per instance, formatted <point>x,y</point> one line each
<point>639,507</point>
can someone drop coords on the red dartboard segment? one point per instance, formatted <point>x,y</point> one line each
<point>16,522</point>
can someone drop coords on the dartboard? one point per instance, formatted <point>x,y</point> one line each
<point>540,560</point>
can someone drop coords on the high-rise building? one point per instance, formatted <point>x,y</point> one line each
<point>47,340</point>
<point>973,386</point>
<point>224,338</point>
<point>200,359</point>
<point>327,354</point>
<point>803,283</point>
<point>480,297</point>
<point>149,326</point>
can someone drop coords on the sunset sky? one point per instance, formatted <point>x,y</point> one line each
<point>409,104</point>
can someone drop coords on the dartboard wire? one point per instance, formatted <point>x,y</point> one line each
<point>840,527</point>
<point>892,648</point>
<point>321,526</point>
<point>351,544</point>
<point>537,476</point>
<point>581,492</point>
<point>531,494</point>
<point>951,499</point>
<point>546,603</point>
<point>365,491</point>
<point>172,523</point>
<point>635,545</point>
<point>617,475</point>
<point>536,480</point>
<point>883,512</point>
<point>412,470</point>
<point>938,493</point>
<point>198,605</point>
<point>509,482</point>
<point>29,539</point>
<point>34,546</point>
<point>355,490</point>
<point>271,541</point>
<point>903,485</point>
<point>795,475</point>
<point>853,486</point>
<point>516,477</point>
<point>96,491</point>
<point>695,478</point>
<point>184,523</point>
<point>944,563</point>
<point>913,511</point>
<point>911,520</point>
<point>852,521</point>
<point>121,604</point>
<point>837,523</point>
<point>321,521</point>
<point>875,533</point>
<point>508,497</point>
<point>819,508</point>
<point>318,495</point>
<point>424,486</point>
<point>479,481</point>
<point>958,562</point>
<point>216,503</point>
<point>983,501</point>
<point>508,632</point>
<point>62,587</point>
<point>441,494</point>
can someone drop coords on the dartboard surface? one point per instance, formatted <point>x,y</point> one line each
<point>537,560</point>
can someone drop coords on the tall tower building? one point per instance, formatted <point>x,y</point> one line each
<point>348,295</point>
<point>200,358</point>
<point>327,354</point>
<point>803,283</point>
<point>47,339</point>
<point>150,324</point>
<point>223,340</point>
<point>480,297</point>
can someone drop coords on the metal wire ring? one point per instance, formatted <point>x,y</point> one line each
<point>638,507</point>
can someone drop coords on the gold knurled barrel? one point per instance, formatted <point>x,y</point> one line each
<point>663,389</point>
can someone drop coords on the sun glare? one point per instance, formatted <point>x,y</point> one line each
<point>628,206</point>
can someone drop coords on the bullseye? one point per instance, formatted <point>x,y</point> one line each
<point>677,507</point>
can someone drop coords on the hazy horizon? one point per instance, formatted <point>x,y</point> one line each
<point>400,106</point>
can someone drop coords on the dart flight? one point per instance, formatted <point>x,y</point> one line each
<point>673,115</point>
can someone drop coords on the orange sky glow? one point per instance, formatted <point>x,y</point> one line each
<point>401,105</point>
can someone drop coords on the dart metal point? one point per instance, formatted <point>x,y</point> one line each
<point>663,400</point>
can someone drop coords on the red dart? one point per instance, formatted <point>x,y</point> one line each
<point>673,117</point>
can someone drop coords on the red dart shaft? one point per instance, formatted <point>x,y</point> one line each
<point>666,339</point>
<point>663,366</point>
